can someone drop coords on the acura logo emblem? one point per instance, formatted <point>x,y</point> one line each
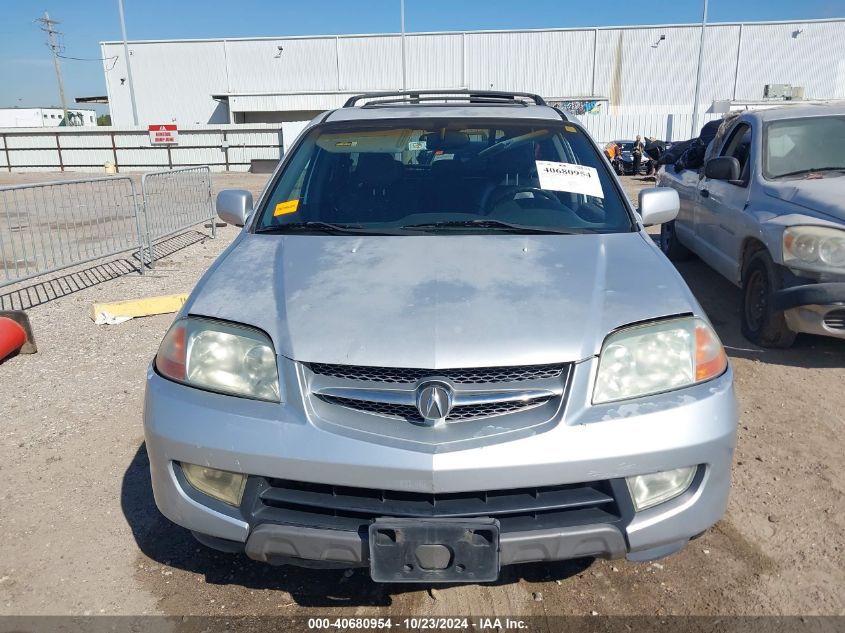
<point>434,401</point>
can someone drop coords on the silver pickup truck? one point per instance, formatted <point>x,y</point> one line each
<point>767,211</point>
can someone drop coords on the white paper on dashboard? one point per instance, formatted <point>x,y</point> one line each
<point>569,177</point>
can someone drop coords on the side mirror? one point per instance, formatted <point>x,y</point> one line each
<point>722,168</point>
<point>659,205</point>
<point>234,206</point>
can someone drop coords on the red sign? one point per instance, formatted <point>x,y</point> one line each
<point>164,134</point>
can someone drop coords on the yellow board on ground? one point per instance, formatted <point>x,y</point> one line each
<point>146,306</point>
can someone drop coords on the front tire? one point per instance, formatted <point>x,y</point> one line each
<point>761,323</point>
<point>671,245</point>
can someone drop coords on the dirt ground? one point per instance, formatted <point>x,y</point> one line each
<point>81,533</point>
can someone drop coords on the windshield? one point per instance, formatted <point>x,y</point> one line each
<point>799,147</point>
<point>418,177</point>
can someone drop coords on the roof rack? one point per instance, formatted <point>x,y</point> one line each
<point>481,97</point>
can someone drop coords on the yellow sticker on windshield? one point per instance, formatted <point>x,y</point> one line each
<point>283,208</point>
<point>569,128</point>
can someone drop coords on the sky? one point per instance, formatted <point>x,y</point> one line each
<point>27,77</point>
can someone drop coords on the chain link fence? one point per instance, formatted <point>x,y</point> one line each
<point>50,226</point>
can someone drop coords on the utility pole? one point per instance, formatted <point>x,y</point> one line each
<point>128,64</point>
<point>698,74</point>
<point>402,20</point>
<point>47,25</point>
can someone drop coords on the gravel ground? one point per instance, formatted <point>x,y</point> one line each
<point>81,533</point>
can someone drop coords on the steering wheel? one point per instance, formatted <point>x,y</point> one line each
<point>534,191</point>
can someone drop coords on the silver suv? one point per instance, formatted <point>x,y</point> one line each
<point>442,343</point>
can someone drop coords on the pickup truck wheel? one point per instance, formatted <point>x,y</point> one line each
<point>671,245</point>
<point>761,324</point>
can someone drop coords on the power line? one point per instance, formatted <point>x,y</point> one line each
<point>112,59</point>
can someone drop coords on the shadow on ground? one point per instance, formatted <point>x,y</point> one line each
<point>44,291</point>
<point>171,545</point>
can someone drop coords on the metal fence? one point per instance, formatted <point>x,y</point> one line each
<point>174,201</point>
<point>87,149</point>
<point>49,226</point>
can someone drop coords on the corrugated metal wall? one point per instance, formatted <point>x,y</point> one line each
<point>173,82</point>
<point>803,54</point>
<point>631,67</point>
<point>552,63</point>
<point>636,72</point>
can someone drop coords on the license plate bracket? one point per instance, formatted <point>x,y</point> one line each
<point>434,550</point>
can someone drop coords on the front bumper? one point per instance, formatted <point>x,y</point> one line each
<point>628,166</point>
<point>814,308</point>
<point>589,444</point>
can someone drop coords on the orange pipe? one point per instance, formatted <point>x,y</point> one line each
<point>12,337</point>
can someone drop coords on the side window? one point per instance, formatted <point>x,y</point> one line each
<point>738,145</point>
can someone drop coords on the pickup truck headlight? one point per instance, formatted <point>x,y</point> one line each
<point>217,356</point>
<point>817,248</point>
<point>646,359</point>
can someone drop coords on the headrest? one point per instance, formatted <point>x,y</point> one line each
<point>446,140</point>
<point>378,170</point>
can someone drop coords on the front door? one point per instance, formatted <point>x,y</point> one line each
<point>721,204</point>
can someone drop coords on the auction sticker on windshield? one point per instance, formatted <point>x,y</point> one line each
<point>283,208</point>
<point>569,177</point>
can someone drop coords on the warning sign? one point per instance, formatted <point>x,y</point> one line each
<point>164,134</point>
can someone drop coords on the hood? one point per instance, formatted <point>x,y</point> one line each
<point>440,301</point>
<point>822,195</point>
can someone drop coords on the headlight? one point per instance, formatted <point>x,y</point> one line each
<point>217,356</point>
<point>657,357</point>
<point>817,248</point>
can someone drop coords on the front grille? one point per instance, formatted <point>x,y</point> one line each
<point>409,413</point>
<point>835,319</point>
<point>348,508</point>
<point>476,375</point>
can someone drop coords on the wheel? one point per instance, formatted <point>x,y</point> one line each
<point>761,324</point>
<point>671,245</point>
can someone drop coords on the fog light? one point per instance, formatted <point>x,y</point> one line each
<point>220,484</point>
<point>649,490</point>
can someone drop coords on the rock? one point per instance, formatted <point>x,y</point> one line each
<point>538,596</point>
<point>774,518</point>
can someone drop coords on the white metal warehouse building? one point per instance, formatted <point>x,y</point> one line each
<point>626,70</point>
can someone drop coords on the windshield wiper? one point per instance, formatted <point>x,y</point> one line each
<point>323,227</point>
<point>810,171</point>
<point>495,224</point>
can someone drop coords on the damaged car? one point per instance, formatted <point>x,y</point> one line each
<point>442,343</point>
